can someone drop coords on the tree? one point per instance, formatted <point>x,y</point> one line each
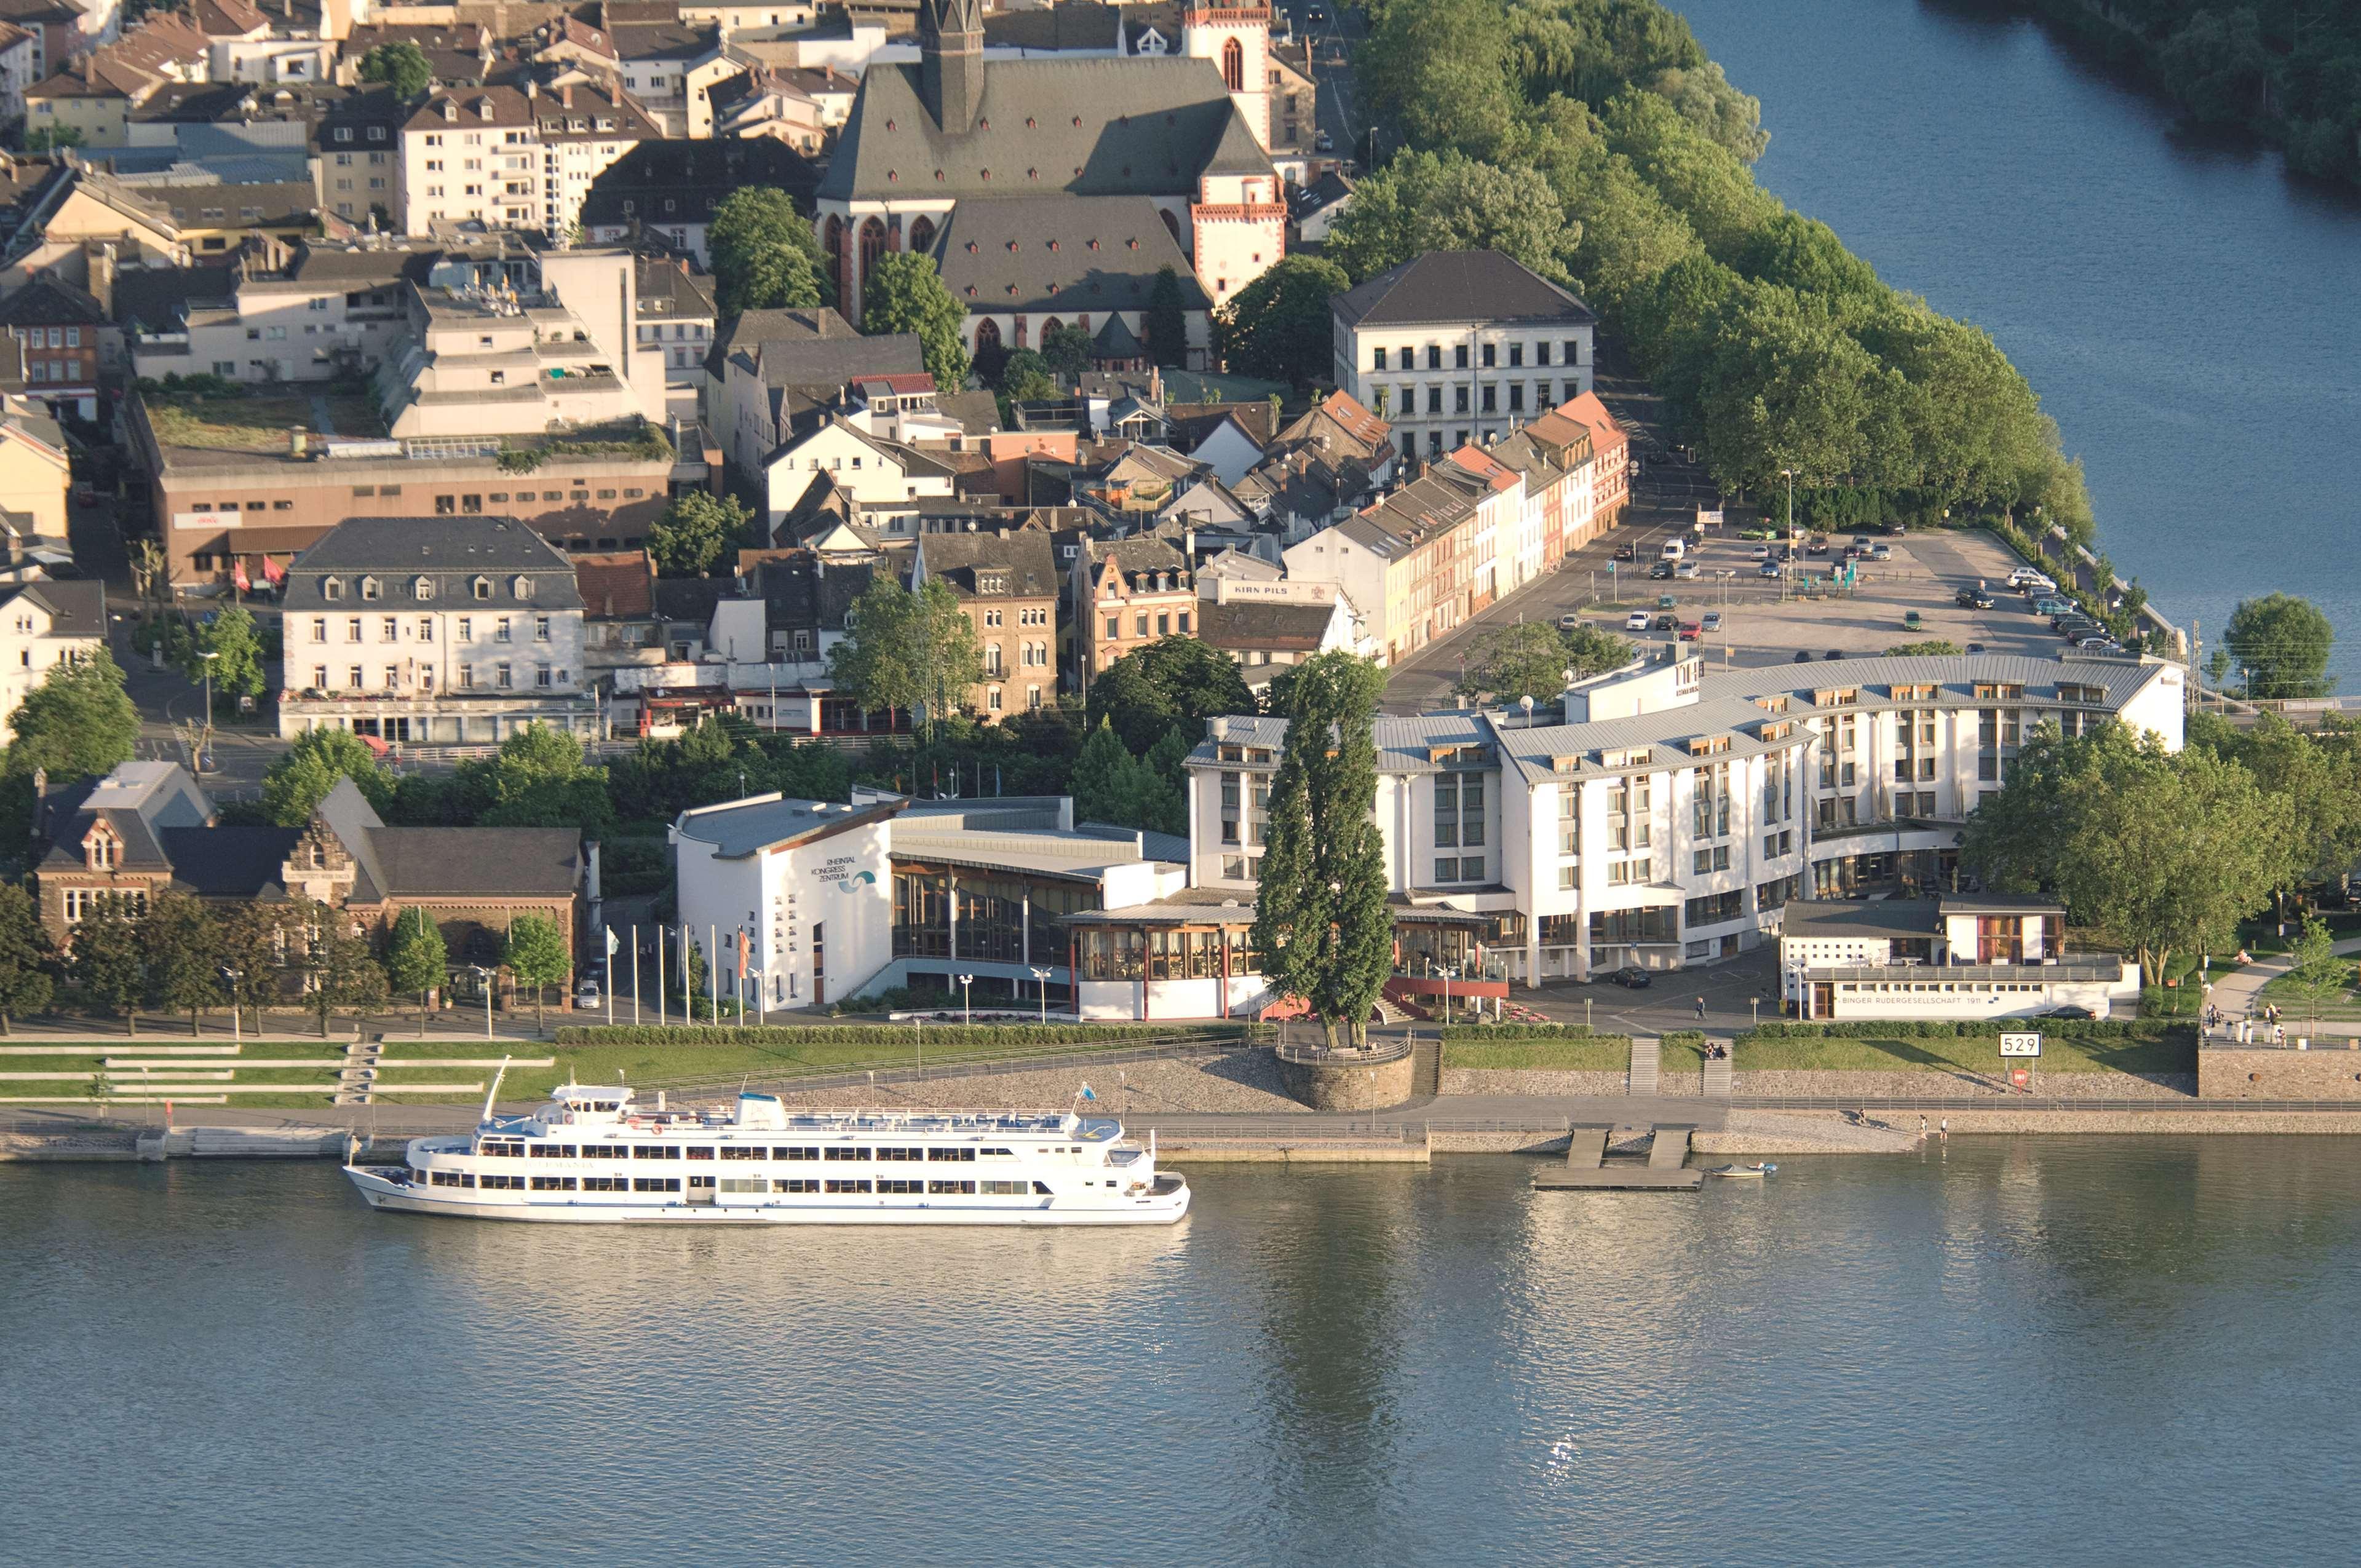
<point>1934,647</point>
<point>903,293</point>
<point>764,254</point>
<point>1705,98</point>
<point>1592,652</point>
<point>104,960</point>
<point>52,138</point>
<point>340,973</point>
<point>1529,658</point>
<point>1321,919</point>
<point>253,948</point>
<point>1277,328</point>
<point>1426,200</point>
<point>416,958</point>
<point>1168,320</point>
<point>1025,377</point>
<point>2281,642</point>
<point>2316,973</point>
<point>1066,350</point>
<point>24,957</point>
<point>2161,851</point>
<point>236,642</point>
<point>911,651</point>
<point>539,956</point>
<point>1437,72</point>
<point>181,942</point>
<point>294,785</point>
<point>404,64</point>
<point>695,531</point>
<point>77,723</point>
<point>539,779</point>
<point>1172,682</point>
<point>1105,784</point>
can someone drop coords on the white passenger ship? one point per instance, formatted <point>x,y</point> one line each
<point>591,1155</point>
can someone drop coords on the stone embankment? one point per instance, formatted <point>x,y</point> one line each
<point>1229,1082</point>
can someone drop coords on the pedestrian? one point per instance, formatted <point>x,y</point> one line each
<point>1922,1129</point>
<point>1947,1129</point>
<point>1700,1009</point>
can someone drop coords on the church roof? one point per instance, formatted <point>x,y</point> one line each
<point>1060,253</point>
<point>1133,126</point>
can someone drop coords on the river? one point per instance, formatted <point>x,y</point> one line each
<point>2186,309</point>
<point>2126,1350</point>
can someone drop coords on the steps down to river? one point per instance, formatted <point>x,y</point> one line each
<point>1645,1054</point>
<point>1717,1076</point>
<point>356,1079</point>
<point>1425,1068</point>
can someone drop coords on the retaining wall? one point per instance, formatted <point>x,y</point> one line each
<point>2333,1074</point>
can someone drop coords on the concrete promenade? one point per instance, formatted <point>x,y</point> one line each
<point>2238,993</point>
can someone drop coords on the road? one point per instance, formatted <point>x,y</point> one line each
<point>1334,39</point>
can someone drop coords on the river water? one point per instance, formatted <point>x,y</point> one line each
<point>2189,314</point>
<point>2129,1350</point>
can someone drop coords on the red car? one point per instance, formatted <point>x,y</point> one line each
<point>1689,631</point>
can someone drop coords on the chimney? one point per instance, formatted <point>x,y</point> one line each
<point>565,96</point>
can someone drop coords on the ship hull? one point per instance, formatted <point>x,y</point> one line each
<point>1167,1205</point>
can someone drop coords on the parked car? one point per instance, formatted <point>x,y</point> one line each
<point>1975,647</point>
<point>1861,542</point>
<point>1769,569</point>
<point>2070,1012</point>
<point>1568,622</point>
<point>1665,601</point>
<point>1713,620</point>
<point>1819,545</point>
<point>1912,622</point>
<point>1673,551</point>
<point>1833,653</point>
<point>1759,533</point>
<point>1686,571</point>
<point>586,995</point>
<point>1690,631</point>
<point>1636,621</point>
<point>2023,575</point>
<point>1972,598</point>
<point>1630,976</point>
<point>1664,624</point>
<point>1323,142</point>
<point>1763,552</point>
<point>1623,552</point>
<point>1803,655</point>
<point>1661,569</point>
<point>1881,552</point>
<point>2053,607</point>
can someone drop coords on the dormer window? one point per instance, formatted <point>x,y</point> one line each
<point>101,850</point>
<point>483,586</point>
<point>422,587</point>
<point>368,587</point>
<point>332,587</point>
<point>522,587</point>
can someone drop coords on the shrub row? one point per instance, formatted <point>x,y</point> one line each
<point>1517,1032</point>
<point>891,1034</point>
<point>1964,1028</point>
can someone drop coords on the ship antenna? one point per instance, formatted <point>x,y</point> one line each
<point>493,1093</point>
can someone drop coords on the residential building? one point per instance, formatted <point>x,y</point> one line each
<point>92,95</point>
<point>1663,817</point>
<point>1126,593</point>
<point>356,157</point>
<point>61,214</point>
<point>20,53</point>
<point>42,625</point>
<point>434,630</point>
<point>147,829</point>
<point>1610,475</point>
<point>315,311</point>
<point>1007,582</point>
<point>514,157</point>
<point>1955,956</point>
<point>839,467</point>
<point>1269,626</point>
<point>61,29</point>
<point>1182,137</point>
<point>58,325</point>
<point>1460,345</point>
<point>670,188</point>
<point>773,372</point>
<point>809,903</point>
<point>460,54</point>
<point>803,108</point>
<point>35,470</point>
<point>246,45</point>
<point>620,628</point>
<point>677,318</point>
<point>1313,211</point>
<point>1417,564</point>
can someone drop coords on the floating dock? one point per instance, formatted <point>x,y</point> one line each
<point>1587,1170</point>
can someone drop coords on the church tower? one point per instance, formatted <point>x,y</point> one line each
<point>1237,37</point>
<point>950,62</point>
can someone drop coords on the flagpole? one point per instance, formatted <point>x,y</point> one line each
<point>635,976</point>
<point>713,969</point>
<point>610,930</point>
<point>660,995</point>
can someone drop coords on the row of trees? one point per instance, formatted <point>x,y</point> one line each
<point>1593,141</point>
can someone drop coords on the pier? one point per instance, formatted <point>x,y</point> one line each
<point>1587,1170</point>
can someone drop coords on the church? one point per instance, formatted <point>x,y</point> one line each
<point>1051,191</point>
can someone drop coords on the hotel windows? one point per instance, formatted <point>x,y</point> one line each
<point>1709,803</point>
<point>1459,811</point>
<point>1704,861</point>
<point>1569,820</point>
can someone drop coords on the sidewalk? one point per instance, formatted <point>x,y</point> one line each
<point>2238,993</point>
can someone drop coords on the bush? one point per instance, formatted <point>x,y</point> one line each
<point>895,1035</point>
<point>1953,1028</point>
<point>1517,1032</point>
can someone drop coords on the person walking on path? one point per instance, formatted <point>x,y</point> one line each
<point>1700,1009</point>
<point>1947,1129</point>
<point>1922,1129</point>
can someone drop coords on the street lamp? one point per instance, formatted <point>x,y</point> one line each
<point>1755,1002</point>
<point>486,976</point>
<point>233,976</point>
<point>205,735</point>
<point>1043,976</point>
<point>1788,564</point>
<point>967,1008</point>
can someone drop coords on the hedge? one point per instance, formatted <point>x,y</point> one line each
<point>892,1035</point>
<point>1516,1032</point>
<point>1963,1028</point>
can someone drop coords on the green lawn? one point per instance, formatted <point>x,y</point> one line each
<point>1596,1053</point>
<point>2341,1004</point>
<point>2164,1051</point>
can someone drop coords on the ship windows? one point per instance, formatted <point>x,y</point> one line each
<point>795,1184</point>
<point>656,1151</point>
<point>1003,1189</point>
<point>957,1154</point>
<point>655,1184</point>
<point>606,1151</point>
<point>504,1183</point>
<point>553,1184</point>
<point>493,1150</point>
<point>606,1184</point>
<point>745,1184</point>
<point>998,1153</point>
<point>700,1151</point>
<point>750,1151</point>
<point>901,1185</point>
<point>847,1186</point>
<point>836,1152</point>
<point>954,1188</point>
<point>795,1151</point>
<point>902,1156</point>
<point>1042,1187</point>
<point>446,1178</point>
<point>552,1151</point>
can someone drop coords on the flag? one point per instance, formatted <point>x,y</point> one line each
<point>1086,1092</point>
<point>272,572</point>
<point>612,942</point>
<point>237,576</point>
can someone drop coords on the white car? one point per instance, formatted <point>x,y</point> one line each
<point>1568,622</point>
<point>586,995</point>
<point>1712,621</point>
<point>1686,570</point>
<point>1636,621</point>
<point>1763,552</point>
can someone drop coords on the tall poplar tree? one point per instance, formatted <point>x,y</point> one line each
<point>1321,921</point>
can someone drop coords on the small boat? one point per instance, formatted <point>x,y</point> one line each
<point>1743,1172</point>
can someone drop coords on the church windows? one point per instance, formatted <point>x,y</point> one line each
<point>872,245</point>
<point>1234,66</point>
<point>922,235</point>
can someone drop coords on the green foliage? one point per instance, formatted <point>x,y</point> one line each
<point>540,956</point>
<point>340,973</point>
<point>1321,919</point>
<point>301,779</point>
<point>2317,972</point>
<point>26,956</point>
<point>1932,648</point>
<point>903,293</point>
<point>416,958</point>
<point>1439,73</point>
<point>1425,200</point>
<point>1277,328</point>
<point>181,940</point>
<point>1529,658</point>
<point>236,642</point>
<point>105,960</point>
<point>1167,338</point>
<point>764,254</point>
<point>76,724</point>
<point>697,532</point>
<point>1173,682</point>
<point>899,1036</point>
<point>2281,642</point>
<point>1112,785</point>
<point>2162,852</point>
<point>251,940</point>
<point>402,64</point>
<point>717,761</point>
<point>52,138</point>
<point>2312,777</point>
<point>908,651</point>
<point>1066,350</point>
<point>1024,377</point>
<point>539,779</point>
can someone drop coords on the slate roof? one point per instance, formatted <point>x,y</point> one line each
<point>76,609</point>
<point>1023,561</point>
<point>470,862</point>
<point>230,862</point>
<point>669,290</point>
<point>672,181</point>
<point>1099,127</point>
<point>48,300</point>
<point>1262,624</point>
<point>546,111</point>
<point>451,551</point>
<point>1453,285</point>
<point>800,592</point>
<point>1063,253</point>
<point>224,205</point>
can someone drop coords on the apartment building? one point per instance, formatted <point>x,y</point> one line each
<point>356,157</point>
<point>42,625</point>
<point>58,324</point>
<point>515,157</point>
<point>1417,564</point>
<point>676,318</point>
<point>1128,593</point>
<point>1461,345</point>
<point>1007,582</point>
<point>1663,817</point>
<point>315,311</point>
<point>433,629</point>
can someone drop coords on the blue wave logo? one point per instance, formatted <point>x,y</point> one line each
<point>856,879</point>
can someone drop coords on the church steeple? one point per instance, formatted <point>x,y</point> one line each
<point>950,62</point>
